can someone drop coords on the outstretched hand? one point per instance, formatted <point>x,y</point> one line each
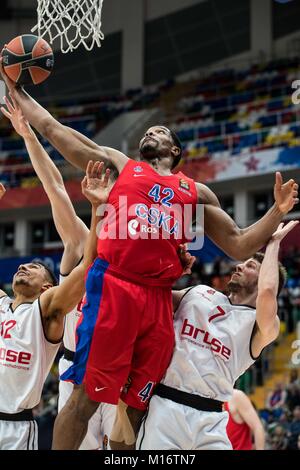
<point>9,83</point>
<point>283,230</point>
<point>14,113</point>
<point>95,184</point>
<point>186,259</point>
<point>285,194</point>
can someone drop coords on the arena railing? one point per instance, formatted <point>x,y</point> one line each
<point>231,137</point>
<point>71,173</point>
<point>195,116</point>
<point>257,93</point>
<point>224,134</point>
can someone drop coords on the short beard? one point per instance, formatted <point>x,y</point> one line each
<point>233,287</point>
<point>22,286</point>
<point>21,282</point>
<point>148,151</point>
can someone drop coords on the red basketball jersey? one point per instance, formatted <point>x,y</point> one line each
<point>238,434</point>
<point>147,220</point>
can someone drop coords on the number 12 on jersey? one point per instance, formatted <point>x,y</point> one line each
<point>5,326</point>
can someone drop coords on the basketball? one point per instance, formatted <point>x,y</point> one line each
<point>28,59</point>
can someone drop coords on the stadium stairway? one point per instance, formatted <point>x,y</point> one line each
<point>281,368</point>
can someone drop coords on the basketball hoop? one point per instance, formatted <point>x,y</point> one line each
<point>74,22</point>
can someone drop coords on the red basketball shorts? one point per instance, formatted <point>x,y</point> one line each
<point>125,338</point>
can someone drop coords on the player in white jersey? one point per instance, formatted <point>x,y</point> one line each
<point>32,324</point>
<point>217,339</point>
<point>73,233</point>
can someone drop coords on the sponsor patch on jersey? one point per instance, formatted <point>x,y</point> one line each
<point>204,339</point>
<point>138,169</point>
<point>184,184</point>
<point>211,291</point>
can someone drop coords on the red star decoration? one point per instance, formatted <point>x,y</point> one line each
<point>252,164</point>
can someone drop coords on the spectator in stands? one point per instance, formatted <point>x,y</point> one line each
<point>294,378</point>
<point>289,258</point>
<point>286,309</point>
<point>293,396</point>
<point>279,439</point>
<point>217,267</point>
<point>276,398</point>
<point>284,419</point>
<point>294,430</point>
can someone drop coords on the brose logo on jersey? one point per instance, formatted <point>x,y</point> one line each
<point>19,357</point>
<point>204,339</point>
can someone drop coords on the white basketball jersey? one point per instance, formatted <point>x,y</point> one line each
<point>212,344</point>
<point>71,320</point>
<point>25,356</point>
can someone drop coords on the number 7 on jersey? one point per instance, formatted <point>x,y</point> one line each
<point>215,315</point>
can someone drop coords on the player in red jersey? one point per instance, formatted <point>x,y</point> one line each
<point>243,422</point>
<point>128,329</point>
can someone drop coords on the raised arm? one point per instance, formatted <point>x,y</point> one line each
<point>242,243</point>
<point>75,148</point>
<point>2,192</point>
<point>250,417</point>
<point>267,321</point>
<point>72,231</point>
<point>58,301</point>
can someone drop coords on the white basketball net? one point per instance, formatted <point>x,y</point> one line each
<point>74,22</point>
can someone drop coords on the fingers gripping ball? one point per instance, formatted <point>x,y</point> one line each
<point>28,59</point>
